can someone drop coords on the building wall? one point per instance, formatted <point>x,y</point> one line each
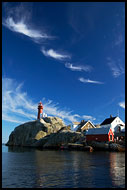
<point>87,126</point>
<point>74,127</point>
<point>115,124</point>
<point>102,138</point>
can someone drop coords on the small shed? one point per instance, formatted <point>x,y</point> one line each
<point>100,134</point>
<point>85,125</point>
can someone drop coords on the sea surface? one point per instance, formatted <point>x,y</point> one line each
<point>31,168</point>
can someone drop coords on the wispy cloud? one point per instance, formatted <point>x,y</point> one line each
<point>86,68</point>
<point>117,69</point>
<point>119,40</point>
<point>122,105</point>
<point>19,18</point>
<point>87,117</point>
<point>23,28</point>
<point>17,107</point>
<point>54,54</point>
<point>81,79</point>
<point>5,117</point>
<point>15,104</point>
<point>54,110</point>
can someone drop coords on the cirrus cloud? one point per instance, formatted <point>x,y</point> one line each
<point>122,105</point>
<point>70,66</point>
<point>23,28</point>
<point>54,54</point>
<point>21,108</point>
<point>81,79</point>
<point>116,68</point>
<point>87,117</point>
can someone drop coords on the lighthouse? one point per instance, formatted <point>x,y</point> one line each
<point>40,110</point>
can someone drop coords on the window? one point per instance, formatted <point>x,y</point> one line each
<point>110,137</point>
<point>119,129</point>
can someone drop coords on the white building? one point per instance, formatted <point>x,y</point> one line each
<point>44,115</point>
<point>74,126</point>
<point>115,123</point>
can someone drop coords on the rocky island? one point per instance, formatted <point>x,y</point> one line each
<point>52,133</point>
<point>48,132</point>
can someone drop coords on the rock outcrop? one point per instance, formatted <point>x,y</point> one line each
<point>29,133</point>
<point>63,137</point>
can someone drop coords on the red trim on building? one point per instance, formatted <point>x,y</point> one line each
<point>101,137</point>
<point>112,134</point>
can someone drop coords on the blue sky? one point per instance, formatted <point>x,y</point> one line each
<point>69,55</point>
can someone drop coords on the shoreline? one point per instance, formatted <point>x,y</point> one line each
<point>111,147</point>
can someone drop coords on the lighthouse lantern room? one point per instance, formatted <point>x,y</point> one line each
<point>40,110</point>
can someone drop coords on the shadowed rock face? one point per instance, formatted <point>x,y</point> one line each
<point>55,140</point>
<point>30,132</point>
<point>64,137</point>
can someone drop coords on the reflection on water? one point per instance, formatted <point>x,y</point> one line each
<point>20,149</point>
<point>25,167</point>
<point>117,168</point>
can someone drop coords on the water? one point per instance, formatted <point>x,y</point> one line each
<point>31,168</point>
